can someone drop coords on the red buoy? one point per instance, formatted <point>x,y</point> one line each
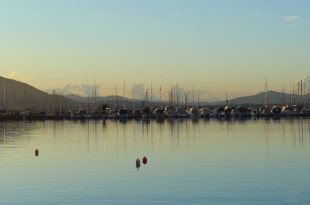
<point>144,160</point>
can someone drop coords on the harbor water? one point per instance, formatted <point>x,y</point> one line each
<point>244,162</point>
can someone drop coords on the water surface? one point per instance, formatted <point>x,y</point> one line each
<point>189,162</point>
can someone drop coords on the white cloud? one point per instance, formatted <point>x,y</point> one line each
<point>290,19</point>
<point>78,89</point>
<point>137,91</point>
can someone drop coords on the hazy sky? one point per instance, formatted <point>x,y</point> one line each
<point>212,45</point>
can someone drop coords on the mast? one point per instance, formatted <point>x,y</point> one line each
<point>115,103</point>
<point>266,93</point>
<point>160,94</point>
<point>186,99</point>
<point>95,93</point>
<point>309,95</point>
<point>226,96</point>
<point>124,103</point>
<point>170,97</point>
<point>61,107</point>
<point>88,100</point>
<point>54,99</point>
<point>177,95</point>
<point>290,93</point>
<point>4,106</point>
<point>301,92</point>
<point>198,99</point>
<point>146,97</point>
<point>151,92</point>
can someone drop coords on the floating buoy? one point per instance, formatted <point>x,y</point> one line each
<point>138,163</point>
<point>36,152</point>
<point>144,160</point>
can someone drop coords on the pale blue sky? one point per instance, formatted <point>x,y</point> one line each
<point>218,45</point>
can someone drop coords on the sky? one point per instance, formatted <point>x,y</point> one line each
<point>211,46</point>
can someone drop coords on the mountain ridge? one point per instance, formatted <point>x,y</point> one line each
<point>20,95</point>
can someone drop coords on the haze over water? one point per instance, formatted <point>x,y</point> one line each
<point>189,162</point>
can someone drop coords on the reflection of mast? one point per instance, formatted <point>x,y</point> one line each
<point>266,134</point>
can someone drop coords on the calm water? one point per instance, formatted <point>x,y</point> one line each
<point>204,162</point>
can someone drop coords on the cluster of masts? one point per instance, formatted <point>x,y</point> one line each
<point>177,107</point>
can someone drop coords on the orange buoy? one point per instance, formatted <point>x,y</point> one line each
<point>36,152</point>
<point>144,160</point>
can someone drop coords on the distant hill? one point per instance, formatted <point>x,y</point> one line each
<point>273,98</point>
<point>20,95</point>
